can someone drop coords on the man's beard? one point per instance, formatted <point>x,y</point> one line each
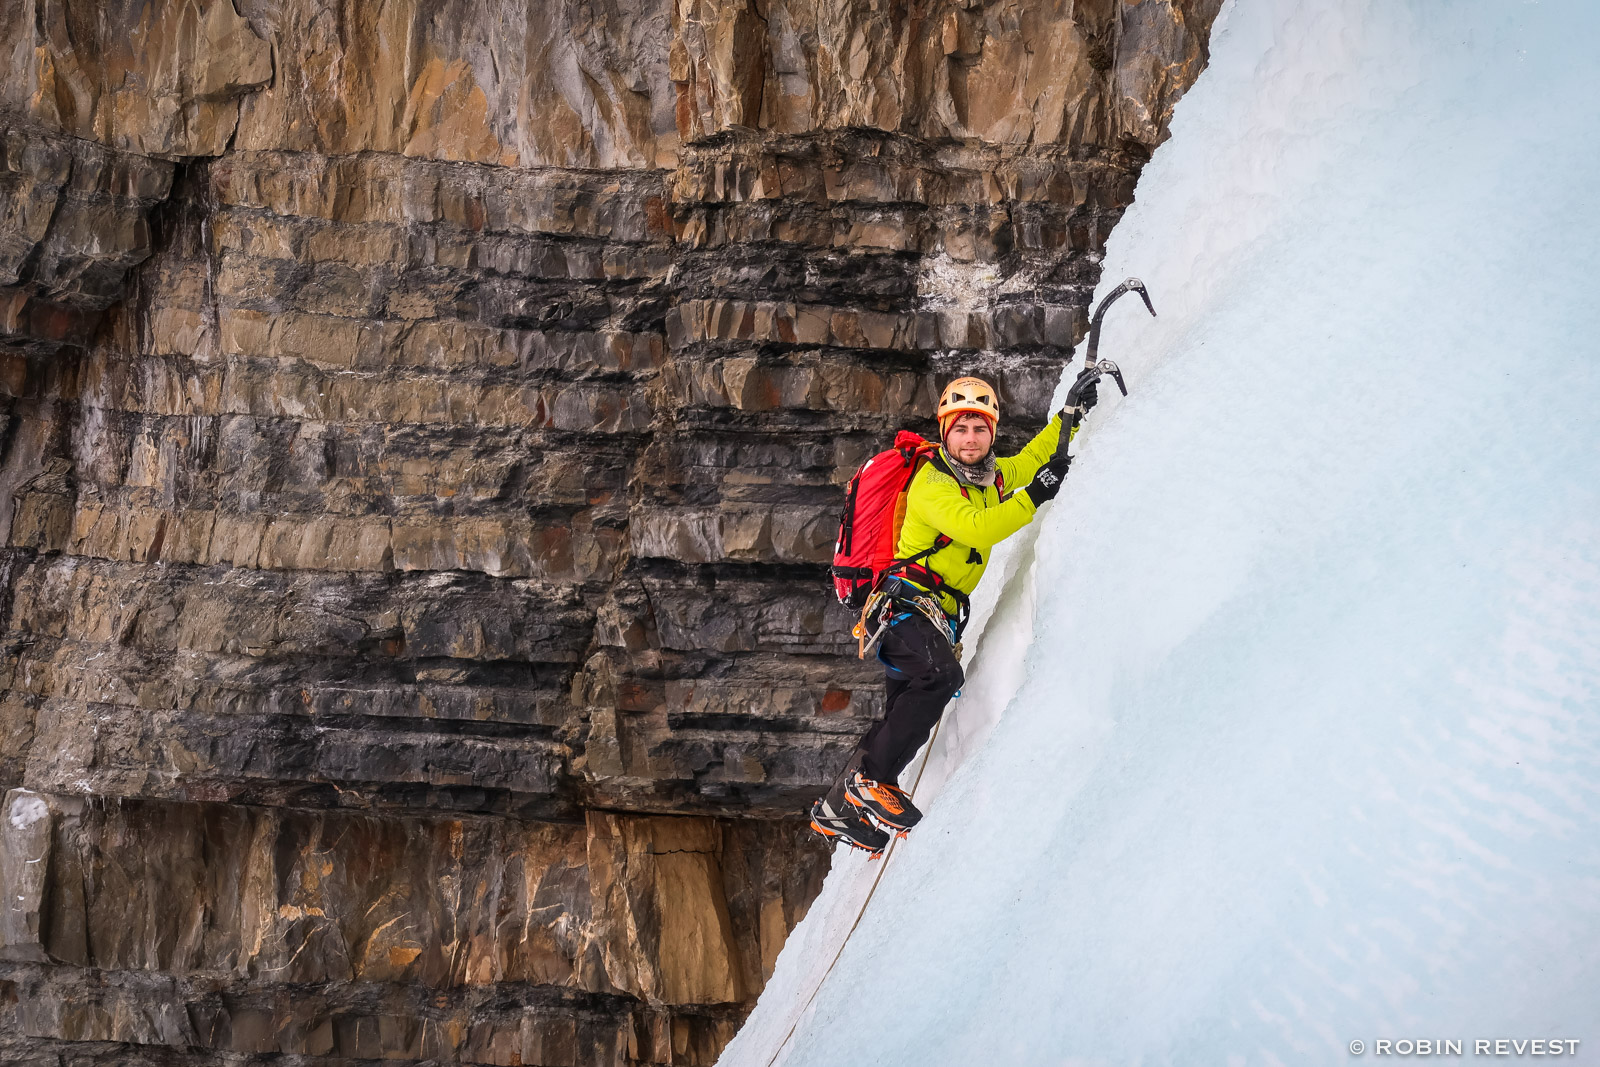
<point>979,473</point>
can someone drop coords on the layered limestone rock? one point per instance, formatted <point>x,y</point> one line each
<point>271,930</point>
<point>424,432</point>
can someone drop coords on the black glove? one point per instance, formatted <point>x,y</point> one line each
<point>1047,482</point>
<point>1089,397</point>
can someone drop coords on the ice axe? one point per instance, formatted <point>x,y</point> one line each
<point>1095,368</point>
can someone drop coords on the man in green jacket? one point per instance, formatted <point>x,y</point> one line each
<point>957,509</point>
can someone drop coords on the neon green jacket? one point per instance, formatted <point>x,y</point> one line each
<point>975,523</point>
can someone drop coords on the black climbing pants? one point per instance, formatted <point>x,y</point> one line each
<point>922,674</point>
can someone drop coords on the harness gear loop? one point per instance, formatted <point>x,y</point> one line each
<point>867,634</point>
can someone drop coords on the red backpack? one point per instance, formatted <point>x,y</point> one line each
<point>873,513</point>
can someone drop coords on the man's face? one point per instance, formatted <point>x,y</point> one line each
<point>969,438</point>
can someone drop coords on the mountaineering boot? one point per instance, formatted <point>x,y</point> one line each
<point>885,804</point>
<point>849,827</point>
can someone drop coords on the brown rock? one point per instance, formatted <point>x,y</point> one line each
<point>157,79</point>
<point>661,878</point>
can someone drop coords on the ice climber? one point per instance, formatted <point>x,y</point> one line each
<point>956,509</point>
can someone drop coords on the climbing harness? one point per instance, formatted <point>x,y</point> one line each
<point>896,599</point>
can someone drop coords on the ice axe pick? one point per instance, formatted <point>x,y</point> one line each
<point>1095,368</point>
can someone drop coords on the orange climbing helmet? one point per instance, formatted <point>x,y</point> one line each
<point>964,395</point>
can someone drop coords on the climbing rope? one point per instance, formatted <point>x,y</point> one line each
<point>883,866</point>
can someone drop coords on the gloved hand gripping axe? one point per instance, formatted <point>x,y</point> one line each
<point>1095,368</point>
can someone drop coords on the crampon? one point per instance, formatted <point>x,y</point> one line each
<point>848,826</point>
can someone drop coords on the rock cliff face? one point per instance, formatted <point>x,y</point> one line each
<point>424,431</point>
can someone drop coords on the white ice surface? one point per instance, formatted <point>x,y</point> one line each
<point>1283,729</point>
